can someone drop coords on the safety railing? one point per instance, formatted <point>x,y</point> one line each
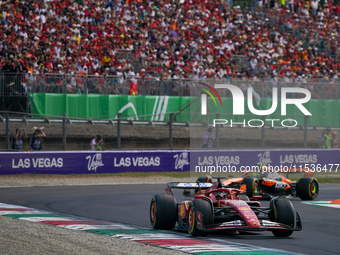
<point>19,85</point>
<point>65,134</point>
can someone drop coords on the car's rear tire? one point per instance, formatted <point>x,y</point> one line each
<point>252,186</point>
<point>283,212</point>
<point>200,213</point>
<point>163,212</point>
<point>307,188</point>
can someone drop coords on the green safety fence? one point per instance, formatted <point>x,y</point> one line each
<point>186,109</point>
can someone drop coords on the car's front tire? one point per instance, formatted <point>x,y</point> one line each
<point>200,213</point>
<point>283,212</point>
<point>307,188</point>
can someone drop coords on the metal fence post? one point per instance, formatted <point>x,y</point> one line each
<point>179,87</point>
<point>263,142</point>
<point>2,87</point>
<point>170,130</point>
<point>64,84</point>
<point>305,132</point>
<point>7,132</point>
<point>105,85</point>
<point>43,83</point>
<point>64,131</point>
<point>217,139</point>
<point>143,86</point>
<point>118,132</point>
<point>124,92</point>
<point>28,103</point>
<point>161,91</point>
<point>86,87</point>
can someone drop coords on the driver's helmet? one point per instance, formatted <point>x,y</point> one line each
<point>203,179</point>
<point>254,174</point>
<point>250,174</point>
<point>206,178</point>
<point>221,195</point>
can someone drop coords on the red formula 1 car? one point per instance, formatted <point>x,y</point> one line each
<point>220,208</point>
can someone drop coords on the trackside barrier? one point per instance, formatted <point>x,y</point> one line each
<point>221,161</point>
<point>89,162</point>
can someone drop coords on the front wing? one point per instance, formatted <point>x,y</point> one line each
<point>241,225</point>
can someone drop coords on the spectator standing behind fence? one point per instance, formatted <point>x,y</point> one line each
<point>335,141</point>
<point>208,139</point>
<point>327,139</point>
<point>321,138</point>
<point>18,138</point>
<point>97,144</point>
<point>36,139</point>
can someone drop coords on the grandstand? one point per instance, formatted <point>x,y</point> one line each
<point>163,48</point>
<point>164,39</point>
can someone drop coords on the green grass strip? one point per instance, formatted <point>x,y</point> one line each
<point>120,231</point>
<point>259,252</point>
<point>17,216</point>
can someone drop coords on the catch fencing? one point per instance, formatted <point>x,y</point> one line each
<point>16,85</point>
<point>68,133</point>
<point>71,134</point>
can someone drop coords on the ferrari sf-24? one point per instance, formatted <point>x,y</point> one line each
<point>221,208</point>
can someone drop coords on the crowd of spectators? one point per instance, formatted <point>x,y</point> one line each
<point>278,39</point>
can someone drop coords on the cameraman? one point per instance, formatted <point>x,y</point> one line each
<point>36,140</point>
<point>17,140</point>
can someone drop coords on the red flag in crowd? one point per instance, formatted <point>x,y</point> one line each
<point>133,87</point>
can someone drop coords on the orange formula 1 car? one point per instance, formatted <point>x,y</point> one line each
<point>268,184</point>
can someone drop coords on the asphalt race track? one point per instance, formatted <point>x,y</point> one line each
<point>130,204</point>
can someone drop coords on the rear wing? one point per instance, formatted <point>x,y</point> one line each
<point>188,185</point>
